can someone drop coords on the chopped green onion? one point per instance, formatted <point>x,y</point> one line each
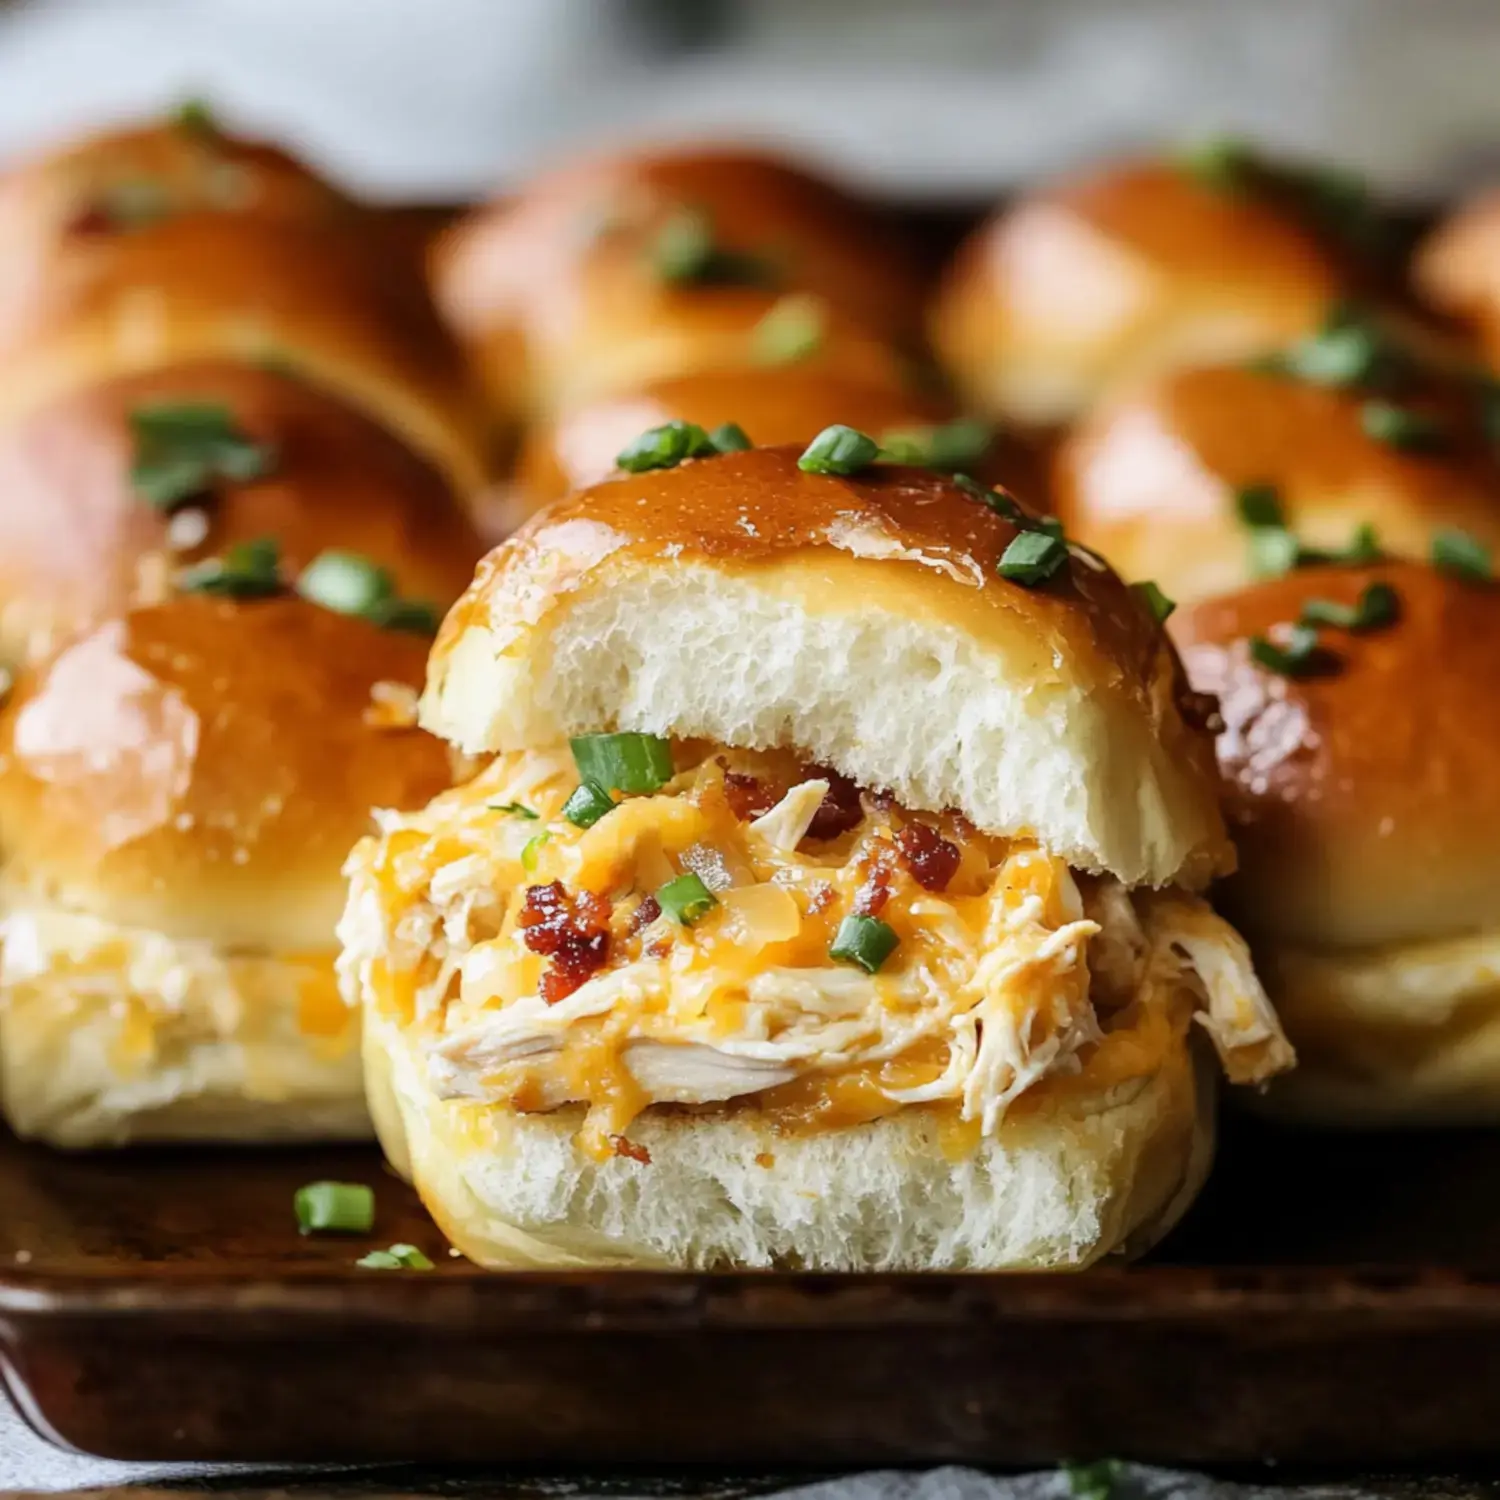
<point>865,941</point>
<point>340,1207</point>
<point>397,1258</point>
<point>1032,558</point>
<point>791,331</point>
<point>345,582</point>
<point>632,763</point>
<point>1378,605</point>
<point>1095,1481</point>
<point>415,616</point>
<point>1400,427</point>
<point>531,850</point>
<point>1363,547</point>
<point>665,447</point>
<point>730,437</point>
<point>1294,659</point>
<point>182,447</point>
<point>1158,606</point>
<point>684,253</point>
<point>686,898</point>
<point>1273,551</point>
<point>950,447</point>
<point>588,803</point>
<point>516,810</point>
<point>1464,556</point>
<point>1259,505</point>
<point>1223,163</point>
<point>194,118</point>
<point>250,570</point>
<point>839,450</point>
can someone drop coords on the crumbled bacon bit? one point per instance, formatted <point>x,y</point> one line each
<point>840,810</point>
<point>748,796</point>
<point>658,947</point>
<point>764,1159</point>
<point>644,914</point>
<point>630,1149</point>
<point>823,896</point>
<point>932,860</point>
<point>573,931</point>
<point>871,897</point>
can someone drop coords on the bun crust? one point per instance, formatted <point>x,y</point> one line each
<point>77,543</point>
<point>791,405</point>
<point>551,288</point>
<point>211,286</point>
<point>1119,273</point>
<point>1150,477</point>
<point>1455,268</point>
<point>707,601</point>
<point>1078,1178</point>
<point>201,767</point>
<point>1365,801</point>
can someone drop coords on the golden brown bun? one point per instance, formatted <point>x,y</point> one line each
<point>1150,477</point>
<point>201,768</point>
<point>859,620</point>
<point>578,447</point>
<point>1457,268</point>
<point>319,299</point>
<point>107,183</point>
<point>1121,272</point>
<point>1365,800</point>
<point>552,289</point>
<point>77,542</point>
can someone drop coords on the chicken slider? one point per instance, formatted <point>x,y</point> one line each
<point>1138,267</point>
<point>1359,756</point>
<point>828,902</point>
<point>178,789</point>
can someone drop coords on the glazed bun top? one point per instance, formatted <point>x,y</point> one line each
<point>1364,797</point>
<point>623,269</point>
<point>201,767</point>
<point>860,619</point>
<point>1135,268</point>
<point>772,406</point>
<point>1154,476</point>
<point>94,510</point>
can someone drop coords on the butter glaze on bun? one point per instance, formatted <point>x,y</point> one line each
<point>557,292</point>
<point>578,447</point>
<point>724,589</point>
<point>1365,801</point>
<point>1121,272</point>
<point>78,542</point>
<point>178,789</point>
<point>1151,476</point>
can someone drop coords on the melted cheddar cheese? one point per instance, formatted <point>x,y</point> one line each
<point>990,992</point>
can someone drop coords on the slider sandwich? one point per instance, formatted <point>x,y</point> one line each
<point>829,900</point>
<point>1359,754</point>
<point>179,786</point>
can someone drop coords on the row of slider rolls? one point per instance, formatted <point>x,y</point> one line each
<point>805,856</point>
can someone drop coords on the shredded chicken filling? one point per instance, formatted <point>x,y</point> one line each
<point>539,969</point>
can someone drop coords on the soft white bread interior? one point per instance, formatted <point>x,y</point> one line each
<point>1071,1180</point>
<point>178,788</point>
<point>860,620</point>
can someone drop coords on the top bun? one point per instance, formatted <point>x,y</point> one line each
<point>1151,477</point>
<point>1123,271</point>
<point>201,767</point>
<point>859,620</point>
<point>79,539</point>
<point>1457,269</point>
<point>573,287</point>
<point>1365,798</point>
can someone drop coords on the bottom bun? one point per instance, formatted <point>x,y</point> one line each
<point>111,1036</point>
<point>1395,1036</point>
<point>1065,1181</point>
